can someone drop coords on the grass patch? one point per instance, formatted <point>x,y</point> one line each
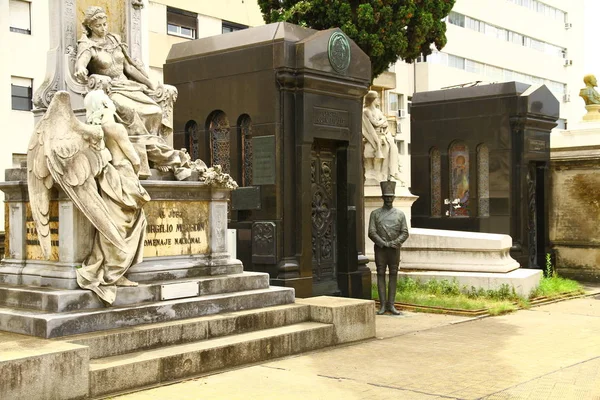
<point>450,295</point>
<point>555,286</point>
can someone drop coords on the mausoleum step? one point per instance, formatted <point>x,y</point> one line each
<point>50,325</point>
<point>60,300</point>
<point>147,337</point>
<point>130,371</point>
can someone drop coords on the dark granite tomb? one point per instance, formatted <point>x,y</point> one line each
<point>489,147</point>
<point>279,107</point>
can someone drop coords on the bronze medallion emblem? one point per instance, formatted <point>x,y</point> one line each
<point>339,52</point>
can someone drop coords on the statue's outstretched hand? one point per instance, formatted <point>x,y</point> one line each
<point>81,74</point>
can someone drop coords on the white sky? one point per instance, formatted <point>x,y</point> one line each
<point>591,61</point>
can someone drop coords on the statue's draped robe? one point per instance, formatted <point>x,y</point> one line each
<point>379,145</point>
<point>124,196</point>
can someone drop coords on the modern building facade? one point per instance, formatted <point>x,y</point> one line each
<point>24,42</point>
<point>176,21</point>
<point>492,41</point>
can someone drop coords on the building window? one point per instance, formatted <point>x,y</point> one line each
<point>396,105</point>
<point>21,93</point>
<point>473,66</point>
<point>182,23</point>
<point>401,147</point>
<point>541,8</point>
<point>20,17</point>
<point>474,25</point>
<point>456,19</point>
<point>506,35</point>
<point>456,62</point>
<point>228,27</point>
<point>559,89</point>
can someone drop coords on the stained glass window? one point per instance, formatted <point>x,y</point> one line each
<point>459,180</point>
<point>246,156</point>
<point>436,182</point>
<point>483,180</point>
<point>219,140</point>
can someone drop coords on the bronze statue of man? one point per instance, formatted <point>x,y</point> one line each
<point>588,93</point>
<point>388,230</point>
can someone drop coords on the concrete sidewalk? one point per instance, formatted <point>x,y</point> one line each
<point>548,352</point>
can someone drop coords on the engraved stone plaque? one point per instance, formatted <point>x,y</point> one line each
<point>176,228</point>
<point>330,117</point>
<point>263,162</point>
<point>246,198</point>
<point>264,241</point>
<point>536,145</point>
<point>179,290</point>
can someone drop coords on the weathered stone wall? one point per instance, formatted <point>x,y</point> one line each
<point>575,211</point>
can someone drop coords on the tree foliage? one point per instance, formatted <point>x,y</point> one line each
<point>386,30</point>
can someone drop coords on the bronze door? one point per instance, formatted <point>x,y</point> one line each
<point>324,218</point>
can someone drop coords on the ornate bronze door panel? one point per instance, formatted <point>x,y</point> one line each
<point>324,218</point>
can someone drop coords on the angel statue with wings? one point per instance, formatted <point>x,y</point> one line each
<point>96,165</point>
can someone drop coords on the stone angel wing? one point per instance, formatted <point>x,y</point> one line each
<point>64,150</point>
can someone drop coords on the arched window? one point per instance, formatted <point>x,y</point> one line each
<point>459,179</point>
<point>483,180</point>
<point>218,128</point>
<point>191,139</point>
<point>245,133</point>
<point>435,165</point>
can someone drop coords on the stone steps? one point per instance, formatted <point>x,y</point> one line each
<point>51,325</point>
<point>62,300</point>
<point>130,371</point>
<point>104,363</point>
<point>147,337</point>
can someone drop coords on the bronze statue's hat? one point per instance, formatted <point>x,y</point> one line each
<point>388,188</point>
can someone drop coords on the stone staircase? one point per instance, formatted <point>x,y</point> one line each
<point>143,341</point>
<point>132,358</point>
<point>49,313</point>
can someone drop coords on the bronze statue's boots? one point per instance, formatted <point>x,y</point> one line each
<point>381,291</point>
<point>392,295</point>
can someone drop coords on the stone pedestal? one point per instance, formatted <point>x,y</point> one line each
<point>593,112</point>
<point>441,250</point>
<point>187,269</point>
<point>473,259</point>
<point>186,235</point>
<point>404,200</point>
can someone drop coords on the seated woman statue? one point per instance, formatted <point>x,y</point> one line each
<point>102,55</point>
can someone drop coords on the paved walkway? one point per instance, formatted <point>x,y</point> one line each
<point>548,352</point>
